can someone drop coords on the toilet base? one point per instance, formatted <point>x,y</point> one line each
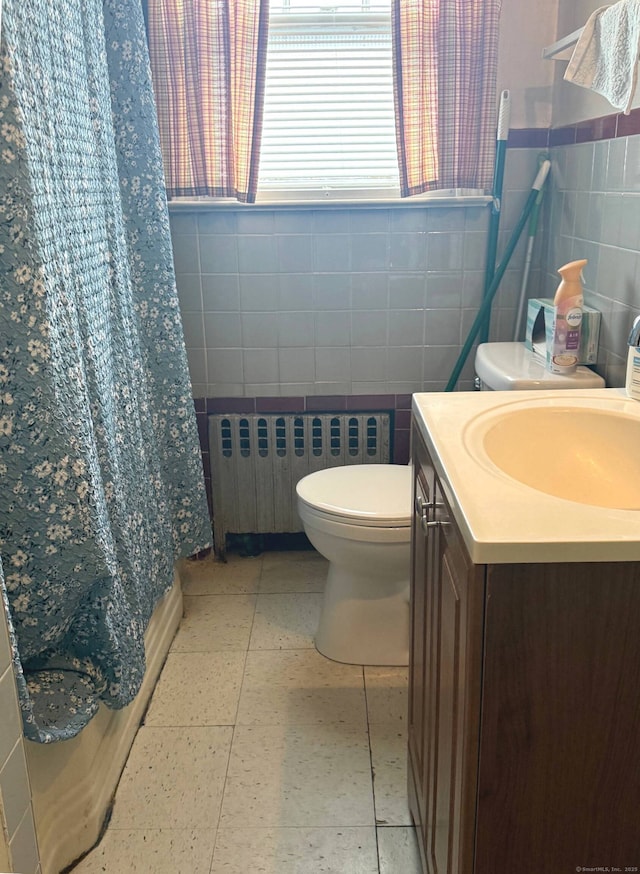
<point>364,621</point>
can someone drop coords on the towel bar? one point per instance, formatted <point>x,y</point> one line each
<point>551,52</point>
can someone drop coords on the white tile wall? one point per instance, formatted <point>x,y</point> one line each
<point>332,301</point>
<point>594,212</point>
<point>374,282</point>
<point>5,651</point>
<point>23,846</point>
<point>4,851</point>
<point>18,844</point>
<point>14,783</point>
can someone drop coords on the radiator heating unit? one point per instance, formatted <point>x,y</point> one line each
<point>257,460</point>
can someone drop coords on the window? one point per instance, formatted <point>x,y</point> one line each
<point>331,110</point>
<point>329,126</point>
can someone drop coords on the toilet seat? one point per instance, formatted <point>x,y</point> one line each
<point>354,529</point>
<point>364,495</point>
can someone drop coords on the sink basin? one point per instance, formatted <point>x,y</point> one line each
<point>582,454</point>
<point>538,476</point>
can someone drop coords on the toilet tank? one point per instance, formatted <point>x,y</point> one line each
<point>511,367</point>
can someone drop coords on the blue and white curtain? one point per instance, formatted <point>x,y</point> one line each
<point>101,485</point>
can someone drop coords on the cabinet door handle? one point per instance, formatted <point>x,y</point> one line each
<point>422,506</point>
<point>422,510</point>
<point>438,523</point>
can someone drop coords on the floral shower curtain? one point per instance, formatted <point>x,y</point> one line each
<point>101,482</point>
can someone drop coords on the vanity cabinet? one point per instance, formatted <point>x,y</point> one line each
<point>524,704</point>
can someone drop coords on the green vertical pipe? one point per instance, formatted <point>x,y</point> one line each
<point>485,307</point>
<point>531,233</point>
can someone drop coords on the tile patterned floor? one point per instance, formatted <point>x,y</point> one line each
<point>258,755</point>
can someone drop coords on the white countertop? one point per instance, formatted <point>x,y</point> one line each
<point>503,520</point>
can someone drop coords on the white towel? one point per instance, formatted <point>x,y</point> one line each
<point>605,58</point>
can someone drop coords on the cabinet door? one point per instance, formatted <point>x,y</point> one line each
<point>421,646</point>
<point>444,680</point>
<point>559,783</point>
<point>458,607</point>
<point>447,608</point>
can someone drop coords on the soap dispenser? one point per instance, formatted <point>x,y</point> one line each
<point>567,319</point>
<point>632,383</point>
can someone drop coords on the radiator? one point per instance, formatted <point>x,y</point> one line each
<point>257,460</point>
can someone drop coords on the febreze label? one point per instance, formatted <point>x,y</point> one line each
<point>566,340</point>
<point>574,317</point>
<point>574,320</point>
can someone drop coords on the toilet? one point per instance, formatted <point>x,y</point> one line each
<point>513,367</point>
<point>359,518</point>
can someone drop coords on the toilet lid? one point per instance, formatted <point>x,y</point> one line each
<point>511,366</point>
<point>376,492</point>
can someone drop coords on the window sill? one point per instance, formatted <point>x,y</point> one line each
<point>431,201</point>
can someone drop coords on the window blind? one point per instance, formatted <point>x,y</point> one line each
<point>329,116</point>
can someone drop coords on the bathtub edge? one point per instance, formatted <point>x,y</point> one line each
<point>73,782</point>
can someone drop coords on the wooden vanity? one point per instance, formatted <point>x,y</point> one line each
<point>524,702</point>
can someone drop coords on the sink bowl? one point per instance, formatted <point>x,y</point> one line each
<point>587,455</point>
